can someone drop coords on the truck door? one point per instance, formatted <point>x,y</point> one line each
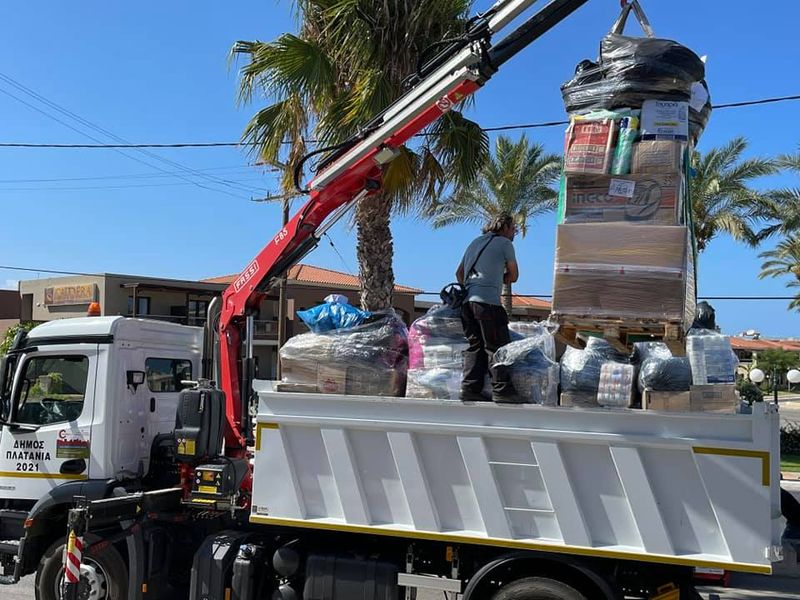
<point>53,403</point>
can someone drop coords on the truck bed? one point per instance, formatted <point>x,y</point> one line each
<point>678,488</point>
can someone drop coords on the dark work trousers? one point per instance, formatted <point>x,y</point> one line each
<point>486,329</point>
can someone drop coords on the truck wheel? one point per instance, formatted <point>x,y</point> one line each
<point>104,575</point>
<point>537,588</point>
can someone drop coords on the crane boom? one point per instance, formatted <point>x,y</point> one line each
<point>354,172</point>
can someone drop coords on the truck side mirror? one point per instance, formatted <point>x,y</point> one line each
<point>135,379</point>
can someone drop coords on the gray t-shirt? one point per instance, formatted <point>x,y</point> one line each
<point>485,283</point>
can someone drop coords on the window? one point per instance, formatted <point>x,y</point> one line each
<point>198,309</point>
<point>166,374</point>
<point>52,390</point>
<point>142,305</point>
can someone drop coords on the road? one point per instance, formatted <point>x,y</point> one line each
<point>790,410</point>
<point>743,587</point>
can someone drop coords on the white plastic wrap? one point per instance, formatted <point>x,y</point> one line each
<point>534,375</point>
<point>369,359</point>
<point>436,345</point>
<point>580,369</point>
<point>711,356</point>
<point>615,389</point>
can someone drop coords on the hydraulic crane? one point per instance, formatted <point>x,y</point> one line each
<point>352,171</point>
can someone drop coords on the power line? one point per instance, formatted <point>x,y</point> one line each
<point>249,168</point>
<point>102,187</point>
<point>109,134</point>
<point>542,124</point>
<point>61,272</point>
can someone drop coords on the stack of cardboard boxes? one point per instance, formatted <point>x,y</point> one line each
<point>623,249</point>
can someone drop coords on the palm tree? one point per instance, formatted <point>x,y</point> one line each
<point>782,213</point>
<point>346,64</point>
<point>722,199</point>
<point>517,180</point>
<point>781,261</point>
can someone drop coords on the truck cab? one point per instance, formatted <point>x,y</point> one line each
<point>85,402</point>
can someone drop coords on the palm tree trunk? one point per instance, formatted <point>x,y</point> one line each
<point>508,301</point>
<point>375,251</point>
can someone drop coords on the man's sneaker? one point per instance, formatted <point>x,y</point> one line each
<point>470,396</point>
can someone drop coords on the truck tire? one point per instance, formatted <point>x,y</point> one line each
<point>107,578</point>
<point>537,588</point>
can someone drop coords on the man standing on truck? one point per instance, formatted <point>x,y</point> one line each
<point>488,262</point>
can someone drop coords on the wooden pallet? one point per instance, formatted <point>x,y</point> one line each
<point>621,334</point>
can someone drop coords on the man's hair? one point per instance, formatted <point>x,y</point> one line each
<point>497,223</point>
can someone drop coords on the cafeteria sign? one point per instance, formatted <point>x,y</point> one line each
<point>65,295</point>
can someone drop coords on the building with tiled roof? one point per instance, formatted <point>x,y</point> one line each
<point>186,302</point>
<point>318,276</point>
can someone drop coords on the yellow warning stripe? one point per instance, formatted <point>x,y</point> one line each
<point>15,474</point>
<point>764,456</point>
<point>261,426</point>
<point>516,544</point>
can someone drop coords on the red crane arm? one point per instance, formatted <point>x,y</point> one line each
<point>356,173</point>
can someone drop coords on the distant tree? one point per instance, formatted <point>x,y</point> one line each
<point>749,391</point>
<point>781,360</point>
<point>518,180</point>
<point>784,261</point>
<point>723,200</point>
<point>8,338</point>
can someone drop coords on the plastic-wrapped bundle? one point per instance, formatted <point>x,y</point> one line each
<point>436,344</point>
<point>580,369</point>
<point>711,356</point>
<point>659,371</point>
<point>542,332</point>
<point>615,389</point>
<point>368,359</point>
<point>534,375</point>
<point>335,313</point>
<point>631,70</point>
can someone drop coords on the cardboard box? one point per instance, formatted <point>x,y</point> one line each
<point>637,199</point>
<point>331,379</point>
<point>668,401</point>
<point>362,381</point>
<point>665,119</point>
<point>589,146</point>
<point>719,398</point>
<point>614,270</point>
<point>658,156</point>
<point>579,399</point>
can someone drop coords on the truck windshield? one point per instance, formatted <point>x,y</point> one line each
<point>52,389</point>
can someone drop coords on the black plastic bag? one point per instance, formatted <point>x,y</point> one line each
<point>631,70</point>
<point>659,371</point>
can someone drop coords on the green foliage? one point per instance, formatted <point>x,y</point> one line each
<point>8,338</point>
<point>782,360</point>
<point>723,200</point>
<point>749,391</point>
<point>790,439</point>
<point>53,384</point>
<point>518,180</point>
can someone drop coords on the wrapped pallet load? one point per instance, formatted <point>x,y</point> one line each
<point>664,380</point>
<point>625,258</point>
<point>581,369</point>
<point>531,363</point>
<point>368,359</point>
<point>436,344</point>
<point>714,367</point>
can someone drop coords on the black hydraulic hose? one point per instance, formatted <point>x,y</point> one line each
<point>533,28</point>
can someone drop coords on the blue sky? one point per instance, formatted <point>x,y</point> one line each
<point>154,71</point>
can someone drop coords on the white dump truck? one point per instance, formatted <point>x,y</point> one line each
<point>243,492</point>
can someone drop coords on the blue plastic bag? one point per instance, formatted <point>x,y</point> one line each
<point>336,313</point>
